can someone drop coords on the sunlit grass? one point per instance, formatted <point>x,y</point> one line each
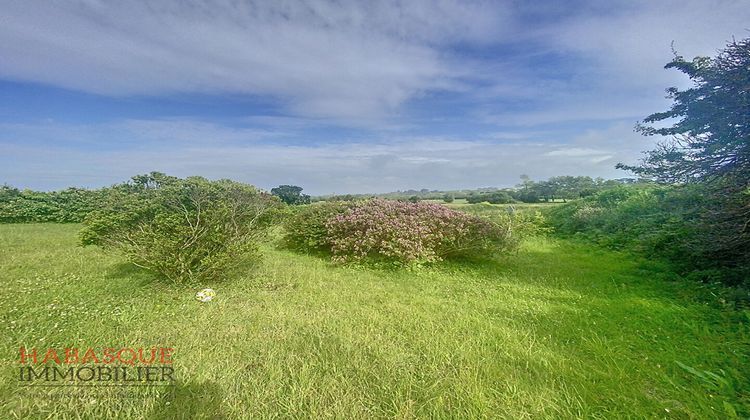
<point>558,330</point>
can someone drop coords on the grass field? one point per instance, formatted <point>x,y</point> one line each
<point>487,208</point>
<point>558,330</point>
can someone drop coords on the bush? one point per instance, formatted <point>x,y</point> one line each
<point>658,221</point>
<point>403,233</point>
<point>183,229</point>
<point>67,206</point>
<point>306,229</point>
<point>497,197</point>
<point>524,224</point>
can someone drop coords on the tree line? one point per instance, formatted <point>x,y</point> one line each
<point>561,188</point>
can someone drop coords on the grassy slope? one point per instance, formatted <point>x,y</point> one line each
<point>559,330</point>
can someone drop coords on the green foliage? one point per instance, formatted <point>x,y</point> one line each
<point>406,234</point>
<point>523,225</point>
<point>711,137</point>
<point>709,146</point>
<point>562,187</point>
<point>555,188</point>
<point>396,232</point>
<point>183,229</point>
<point>306,231</point>
<point>573,332</point>
<point>67,206</point>
<point>658,221</point>
<point>291,194</point>
<point>496,197</point>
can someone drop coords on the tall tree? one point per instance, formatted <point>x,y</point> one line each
<point>711,138</point>
<point>709,145</point>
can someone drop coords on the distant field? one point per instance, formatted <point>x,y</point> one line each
<point>558,330</point>
<point>487,208</point>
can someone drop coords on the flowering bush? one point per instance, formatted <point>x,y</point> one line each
<point>305,230</point>
<point>405,233</point>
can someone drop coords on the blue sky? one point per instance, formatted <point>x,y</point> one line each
<point>339,97</point>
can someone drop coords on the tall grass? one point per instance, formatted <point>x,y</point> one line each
<point>559,330</point>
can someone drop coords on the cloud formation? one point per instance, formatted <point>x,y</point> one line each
<point>355,96</point>
<point>374,164</point>
<point>322,58</point>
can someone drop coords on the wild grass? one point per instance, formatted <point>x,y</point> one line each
<point>558,330</point>
<point>489,209</point>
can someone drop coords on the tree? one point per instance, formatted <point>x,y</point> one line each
<point>8,193</point>
<point>526,183</point>
<point>291,194</point>
<point>709,146</point>
<point>711,139</point>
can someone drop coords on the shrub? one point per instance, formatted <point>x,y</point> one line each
<point>497,197</point>
<point>183,229</point>
<point>404,233</point>
<point>524,224</point>
<point>66,206</point>
<point>306,229</point>
<point>665,222</point>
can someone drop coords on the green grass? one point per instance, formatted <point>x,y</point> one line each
<point>558,330</point>
<point>487,209</point>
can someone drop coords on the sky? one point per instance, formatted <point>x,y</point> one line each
<point>340,96</point>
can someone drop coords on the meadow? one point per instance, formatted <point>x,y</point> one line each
<point>558,329</point>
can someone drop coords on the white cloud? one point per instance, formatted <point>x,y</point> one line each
<point>629,40</point>
<point>614,55</point>
<point>319,58</point>
<point>374,164</point>
<point>527,90</point>
<point>574,151</point>
<point>362,60</point>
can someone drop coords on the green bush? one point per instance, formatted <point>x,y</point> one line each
<point>306,231</point>
<point>66,206</point>
<point>657,221</point>
<point>183,229</point>
<point>523,225</point>
<point>497,197</point>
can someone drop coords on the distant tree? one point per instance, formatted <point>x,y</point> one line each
<point>7,193</point>
<point>495,197</point>
<point>414,198</point>
<point>150,181</point>
<point>344,197</point>
<point>526,196</point>
<point>526,183</point>
<point>499,197</point>
<point>448,198</point>
<point>291,194</point>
